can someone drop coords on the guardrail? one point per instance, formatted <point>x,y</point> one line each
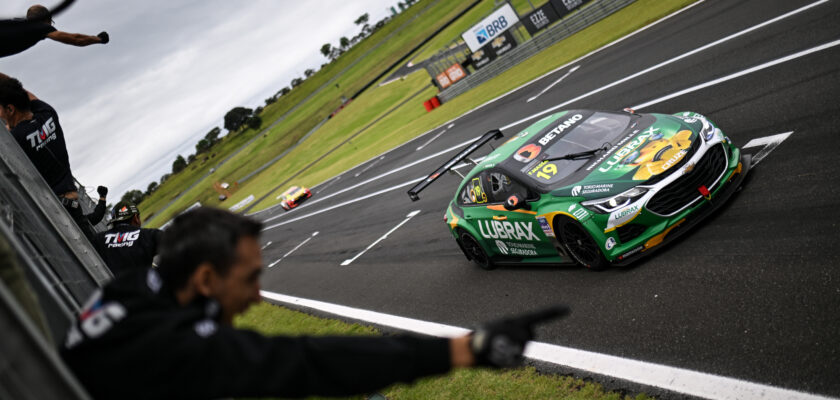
<point>61,254</point>
<point>572,24</point>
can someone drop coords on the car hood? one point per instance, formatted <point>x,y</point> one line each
<point>646,154</point>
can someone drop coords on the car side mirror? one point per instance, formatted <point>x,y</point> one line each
<point>515,203</point>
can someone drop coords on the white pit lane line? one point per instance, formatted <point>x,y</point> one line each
<point>547,88</point>
<point>678,380</point>
<point>293,250</point>
<point>739,74</point>
<point>369,166</point>
<point>385,236</point>
<point>431,140</point>
<point>668,62</point>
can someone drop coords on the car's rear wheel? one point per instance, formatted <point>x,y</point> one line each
<point>579,244</point>
<point>474,251</point>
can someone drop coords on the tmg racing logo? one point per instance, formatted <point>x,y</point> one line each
<point>46,134</point>
<point>507,230</point>
<point>121,239</point>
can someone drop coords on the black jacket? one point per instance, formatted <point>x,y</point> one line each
<point>17,35</point>
<point>42,139</point>
<point>126,247</point>
<point>135,342</point>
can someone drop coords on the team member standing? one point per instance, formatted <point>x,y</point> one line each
<point>167,332</point>
<point>126,246</point>
<point>34,125</point>
<point>17,35</point>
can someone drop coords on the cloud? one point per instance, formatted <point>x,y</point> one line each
<point>171,71</point>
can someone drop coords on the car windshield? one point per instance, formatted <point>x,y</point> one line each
<point>290,191</point>
<point>596,131</point>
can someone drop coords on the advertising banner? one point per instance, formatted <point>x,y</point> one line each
<point>452,74</point>
<point>503,44</point>
<point>540,18</point>
<point>491,27</point>
<point>563,7</point>
<point>482,57</point>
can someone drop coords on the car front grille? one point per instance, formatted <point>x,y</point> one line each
<point>684,190</point>
<point>629,232</point>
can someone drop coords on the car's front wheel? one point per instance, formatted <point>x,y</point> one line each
<point>579,244</point>
<point>474,251</point>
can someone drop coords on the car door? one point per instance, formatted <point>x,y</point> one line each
<point>513,234</point>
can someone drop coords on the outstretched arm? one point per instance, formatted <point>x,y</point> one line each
<point>78,39</point>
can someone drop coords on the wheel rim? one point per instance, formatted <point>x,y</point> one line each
<point>580,244</point>
<point>472,247</point>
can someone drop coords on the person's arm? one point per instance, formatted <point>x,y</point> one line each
<point>99,211</point>
<point>78,39</point>
<point>238,363</point>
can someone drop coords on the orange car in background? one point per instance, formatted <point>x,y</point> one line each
<point>293,196</point>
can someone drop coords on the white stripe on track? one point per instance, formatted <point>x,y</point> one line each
<point>665,63</point>
<point>674,379</point>
<point>385,236</point>
<point>756,68</point>
<point>355,200</point>
<point>380,176</point>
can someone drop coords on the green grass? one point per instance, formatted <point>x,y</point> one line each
<point>453,32</point>
<point>468,383</point>
<point>295,125</point>
<point>394,130</point>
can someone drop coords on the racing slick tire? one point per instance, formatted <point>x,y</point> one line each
<point>474,251</point>
<point>580,246</point>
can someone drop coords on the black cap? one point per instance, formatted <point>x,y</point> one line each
<point>123,211</point>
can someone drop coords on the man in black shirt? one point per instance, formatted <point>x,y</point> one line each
<point>167,332</point>
<point>127,246</point>
<point>34,125</point>
<point>17,35</point>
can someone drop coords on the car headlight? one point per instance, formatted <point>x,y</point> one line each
<point>610,204</point>
<point>708,131</point>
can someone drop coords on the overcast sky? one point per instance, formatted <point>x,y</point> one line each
<point>170,73</point>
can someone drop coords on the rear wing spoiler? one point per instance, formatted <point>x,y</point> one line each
<point>490,135</point>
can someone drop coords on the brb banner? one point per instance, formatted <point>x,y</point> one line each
<point>491,27</point>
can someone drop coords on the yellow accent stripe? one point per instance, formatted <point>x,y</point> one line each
<point>657,240</point>
<point>454,221</point>
<point>625,223</point>
<point>736,171</point>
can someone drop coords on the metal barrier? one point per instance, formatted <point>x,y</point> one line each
<point>586,16</point>
<point>47,233</point>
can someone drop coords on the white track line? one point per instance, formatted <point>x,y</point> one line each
<point>334,180</point>
<point>431,140</point>
<point>665,63</point>
<point>293,250</point>
<point>769,143</point>
<point>674,379</point>
<point>407,218</point>
<point>740,73</point>
<point>547,88</point>
<point>369,166</point>
<point>355,200</point>
<point>380,176</point>
<point>266,245</point>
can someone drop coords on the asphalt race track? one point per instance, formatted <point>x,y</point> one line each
<point>751,293</point>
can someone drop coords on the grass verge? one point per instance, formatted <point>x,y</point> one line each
<point>521,383</point>
<point>387,45</point>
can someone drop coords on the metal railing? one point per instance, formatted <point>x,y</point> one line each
<point>586,16</point>
<point>47,234</point>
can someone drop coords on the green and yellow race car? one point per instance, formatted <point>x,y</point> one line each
<point>590,187</point>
